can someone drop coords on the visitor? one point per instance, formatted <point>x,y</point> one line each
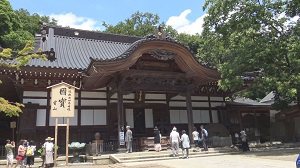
<point>9,153</point>
<point>21,153</point>
<point>204,135</point>
<point>185,144</point>
<point>195,134</point>
<point>175,139</point>
<point>157,139</point>
<point>244,141</point>
<point>48,146</point>
<point>128,139</point>
<point>30,153</point>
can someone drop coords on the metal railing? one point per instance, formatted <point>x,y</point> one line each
<point>107,147</point>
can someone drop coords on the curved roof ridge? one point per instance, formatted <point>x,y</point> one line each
<point>89,34</point>
<point>95,40</point>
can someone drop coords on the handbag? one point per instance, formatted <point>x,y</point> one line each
<point>199,139</point>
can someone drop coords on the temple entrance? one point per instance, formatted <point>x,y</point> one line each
<point>139,120</point>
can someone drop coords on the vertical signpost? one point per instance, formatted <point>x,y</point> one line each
<point>62,105</point>
<point>13,125</point>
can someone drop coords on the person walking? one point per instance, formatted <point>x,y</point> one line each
<point>30,154</point>
<point>48,146</point>
<point>204,135</point>
<point>195,134</point>
<point>21,153</point>
<point>244,141</point>
<point>157,139</point>
<point>9,153</point>
<point>175,139</point>
<point>185,144</point>
<point>128,139</point>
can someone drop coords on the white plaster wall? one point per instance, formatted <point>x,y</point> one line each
<point>200,104</point>
<point>216,99</point>
<point>272,115</point>
<point>177,104</point>
<point>162,102</point>
<point>93,102</point>
<point>100,117</point>
<point>178,117</point>
<point>178,98</point>
<point>87,117</point>
<point>41,117</point>
<point>149,118</point>
<point>129,96</point>
<point>35,93</point>
<point>205,116</point>
<point>41,102</point>
<point>214,114</point>
<point>215,104</point>
<point>129,117</point>
<point>93,95</point>
<point>199,98</point>
<point>155,96</point>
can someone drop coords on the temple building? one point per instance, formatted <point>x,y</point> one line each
<point>124,80</point>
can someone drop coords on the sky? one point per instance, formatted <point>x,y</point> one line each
<point>186,16</point>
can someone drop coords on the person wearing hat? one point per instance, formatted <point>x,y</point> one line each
<point>157,139</point>
<point>128,139</point>
<point>175,139</point>
<point>48,146</point>
<point>244,141</point>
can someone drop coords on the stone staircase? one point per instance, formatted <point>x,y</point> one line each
<point>164,155</point>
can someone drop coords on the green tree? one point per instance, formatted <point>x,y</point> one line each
<point>254,40</point>
<point>30,22</point>
<point>192,41</point>
<point>140,24</point>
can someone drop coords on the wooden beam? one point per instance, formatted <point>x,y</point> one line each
<point>111,92</point>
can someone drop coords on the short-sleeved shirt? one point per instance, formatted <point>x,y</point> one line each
<point>9,149</point>
<point>21,150</point>
<point>175,136</point>
<point>195,135</point>
<point>48,146</point>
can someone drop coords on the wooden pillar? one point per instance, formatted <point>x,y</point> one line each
<point>240,118</point>
<point>189,110</point>
<point>120,116</point>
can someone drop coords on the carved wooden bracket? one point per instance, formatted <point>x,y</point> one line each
<point>162,54</point>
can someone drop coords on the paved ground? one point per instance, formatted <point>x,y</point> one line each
<point>274,159</point>
<point>262,159</point>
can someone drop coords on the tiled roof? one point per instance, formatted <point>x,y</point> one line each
<point>76,53</point>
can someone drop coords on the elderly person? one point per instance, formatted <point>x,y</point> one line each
<point>48,146</point>
<point>175,139</point>
<point>244,141</point>
<point>128,139</point>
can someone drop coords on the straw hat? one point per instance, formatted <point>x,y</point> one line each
<point>49,139</point>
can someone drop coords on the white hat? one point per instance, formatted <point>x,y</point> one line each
<point>49,139</point>
<point>128,126</point>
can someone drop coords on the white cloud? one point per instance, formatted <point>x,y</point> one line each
<point>73,21</point>
<point>183,25</point>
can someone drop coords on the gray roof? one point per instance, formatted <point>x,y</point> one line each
<point>76,53</point>
<point>269,98</point>
<point>246,102</point>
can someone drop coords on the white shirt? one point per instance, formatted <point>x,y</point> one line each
<point>195,135</point>
<point>185,141</point>
<point>48,146</point>
<point>175,136</point>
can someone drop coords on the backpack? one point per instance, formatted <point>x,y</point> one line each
<point>298,161</point>
<point>29,151</point>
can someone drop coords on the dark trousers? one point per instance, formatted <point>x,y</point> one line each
<point>244,146</point>
<point>204,145</point>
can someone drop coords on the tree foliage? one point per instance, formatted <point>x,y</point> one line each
<point>17,29</point>
<point>257,39</point>
<point>19,26</point>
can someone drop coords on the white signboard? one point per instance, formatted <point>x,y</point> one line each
<point>62,100</point>
<point>121,135</point>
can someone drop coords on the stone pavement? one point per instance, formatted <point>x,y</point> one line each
<point>247,160</point>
